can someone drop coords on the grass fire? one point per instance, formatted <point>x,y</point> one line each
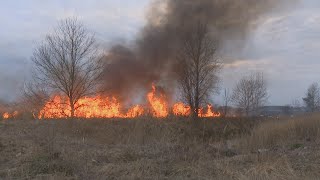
<point>152,89</point>
<point>105,107</point>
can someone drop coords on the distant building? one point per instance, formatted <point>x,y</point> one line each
<point>267,111</point>
<point>280,110</point>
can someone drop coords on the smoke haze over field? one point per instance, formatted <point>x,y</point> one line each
<point>151,58</point>
<point>281,41</point>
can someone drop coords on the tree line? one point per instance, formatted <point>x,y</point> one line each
<point>69,62</point>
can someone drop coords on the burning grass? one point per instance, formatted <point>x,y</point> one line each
<point>110,107</point>
<point>152,148</point>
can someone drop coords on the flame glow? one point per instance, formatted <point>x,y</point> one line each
<point>158,104</point>
<point>180,109</point>
<point>6,115</point>
<point>135,111</point>
<point>95,107</point>
<point>209,112</point>
<point>105,107</point>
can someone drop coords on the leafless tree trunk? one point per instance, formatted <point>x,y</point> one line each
<point>312,99</point>
<point>226,99</point>
<point>250,93</point>
<point>68,62</point>
<point>198,73</point>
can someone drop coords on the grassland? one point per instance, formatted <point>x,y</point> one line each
<point>171,148</point>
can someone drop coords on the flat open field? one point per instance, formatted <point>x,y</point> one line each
<point>161,149</point>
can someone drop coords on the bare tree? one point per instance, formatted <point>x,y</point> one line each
<point>312,99</point>
<point>226,100</point>
<point>199,67</point>
<point>295,103</point>
<point>68,62</point>
<point>250,93</point>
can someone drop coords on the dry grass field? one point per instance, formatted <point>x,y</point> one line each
<point>172,148</point>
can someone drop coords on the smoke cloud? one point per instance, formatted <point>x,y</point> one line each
<point>151,58</point>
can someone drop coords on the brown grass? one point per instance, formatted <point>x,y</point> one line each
<point>283,132</point>
<point>173,148</point>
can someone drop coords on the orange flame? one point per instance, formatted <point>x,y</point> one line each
<point>6,115</point>
<point>98,107</point>
<point>135,111</point>
<point>179,109</point>
<point>105,107</point>
<point>55,108</point>
<point>209,112</point>
<point>95,107</point>
<point>158,104</point>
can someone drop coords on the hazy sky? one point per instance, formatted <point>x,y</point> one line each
<point>286,46</point>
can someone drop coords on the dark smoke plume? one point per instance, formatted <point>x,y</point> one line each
<point>152,57</point>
